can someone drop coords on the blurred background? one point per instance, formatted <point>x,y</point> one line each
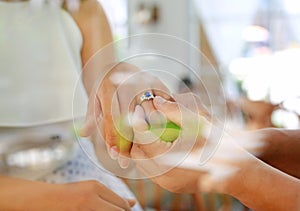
<point>254,45</point>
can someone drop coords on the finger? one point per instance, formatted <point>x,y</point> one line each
<point>112,198</point>
<point>113,152</point>
<point>145,164</point>
<point>140,158</point>
<point>190,122</point>
<point>139,119</point>
<point>170,109</point>
<point>144,137</point>
<point>149,167</point>
<point>192,102</point>
<point>104,205</point>
<point>140,127</point>
<point>111,115</point>
<point>148,107</point>
<point>126,106</point>
<point>189,100</point>
<point>159,89</point>
<point>110,109</point>
<point>124,131</point>
<point>120,131</point>
<point>131,202</point>
<point>155,149</point>
<point>92,115</point>
<point>153,117</point>
<point>137,153</point>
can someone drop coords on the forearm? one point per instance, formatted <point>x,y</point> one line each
<point>255,183</point>
<point>261,187</point>
<point>97,35</point>
<point>277,147</point>
<point>16,194</point>
<point>283,151</point>
<point>7,195</point>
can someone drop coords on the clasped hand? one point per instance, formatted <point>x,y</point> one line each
<point>168,163</point>
<point>129,128</point>
<point>111,103</point>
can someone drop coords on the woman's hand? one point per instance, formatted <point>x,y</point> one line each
<point>18,194</point>
<point>115,98</point>
<point>113,88</point>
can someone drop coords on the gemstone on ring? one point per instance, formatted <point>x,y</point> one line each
<point>147,96</point>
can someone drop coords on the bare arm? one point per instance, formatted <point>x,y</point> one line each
<point>19,194</point>
<point>261,187</point>
<point>231,170</point>
<point>105,78</point>
<point>277,147</point>
<point>96,32</point>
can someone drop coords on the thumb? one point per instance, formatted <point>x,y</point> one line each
<point>92,115</point>
<point>131,202</point>
<point>170,109</point>
<point>145,165</point>
<point>137,153</point>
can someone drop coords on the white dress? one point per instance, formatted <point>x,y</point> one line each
<point>40,67</point>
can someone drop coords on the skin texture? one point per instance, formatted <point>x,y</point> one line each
<point>255,183</point>
<point>18,194</point>
<point>98,75</point>
<point>115,101</point>
<point>277,147</point>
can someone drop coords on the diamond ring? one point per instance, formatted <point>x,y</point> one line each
<point>146,96</point>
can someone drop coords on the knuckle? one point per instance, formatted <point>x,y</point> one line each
<point>139,127</point>
<point>172,105</point>
<point>171,186</point>
<point>107,117</point>
<point>110,136</point>
<point>92,185</point>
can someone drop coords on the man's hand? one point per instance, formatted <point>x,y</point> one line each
<point>168,163</point>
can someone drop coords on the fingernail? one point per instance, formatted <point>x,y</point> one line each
<point>131,202</point>
<point>138,109</point>
<point>113,152</point>
<point>124,162</point>
<point>158,100</point>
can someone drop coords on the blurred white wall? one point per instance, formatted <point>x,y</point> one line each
<point>174,18</point>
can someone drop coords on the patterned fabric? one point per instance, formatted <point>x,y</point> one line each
<point>80,168</point>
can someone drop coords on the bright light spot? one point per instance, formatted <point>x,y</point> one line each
<point>285,76</point>
<point>293,105</point>
<point>269,77</point>
<point>285,119</point>
<point>292,6</point>
<point>255,73</point>
<point>255,34</point>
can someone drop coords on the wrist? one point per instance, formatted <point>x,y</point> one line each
<point>227,170</point>
<point>268,140</point>
<point>244,177</point>
<point>257,186</point>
